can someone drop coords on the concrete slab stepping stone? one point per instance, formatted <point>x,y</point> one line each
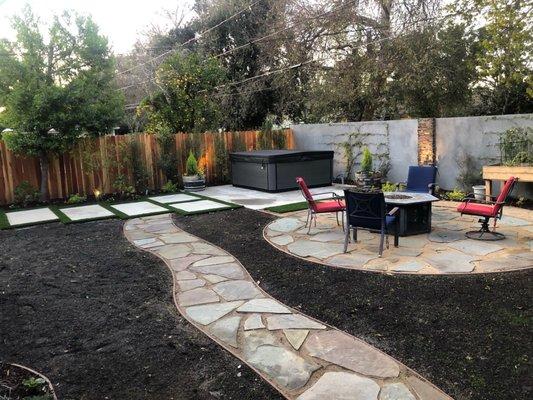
<point>441,236</point>
<point>307,248</point>
<point>355,259</point>
<point>214,260</point>
<point>409,266</point>
<point>178,237</point>
<point>201,205</point>
<point>283,366</point>
<point>190,284</point>
<point>179,264</point>
<point>139,208</point>
<point>254,321</point>
<point>396,391</point>
<point>475,247</point>
<point>214,278</point>
<point>87,212</point>
<point>230,271</point>
<point>450,261</point>
<point>174,198</point>
<point>206,248</point>
<point>226,329</point>
<point>286,225</point>
<point>184,275</point>
<point>426,391</point>
<point>282,240</point>
<point>341,386</point>
<point>206,314</point>
<point>31,216</point>
<point>197,296</point>
<point>292,321</point>
<point>171,251</point>
<point>346,351</point>
<point>264,306</point>
<point>237,290</point>
<point>296,337</point>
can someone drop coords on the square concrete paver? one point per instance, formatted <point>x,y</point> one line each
<point>139,208</point>
<point>86,212</point>
<point>174,198</point>
<point>31,216</point>
<point>195,206</point>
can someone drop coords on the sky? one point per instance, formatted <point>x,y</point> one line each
<point>122,21</point>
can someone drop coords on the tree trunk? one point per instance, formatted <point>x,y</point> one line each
<point>44,164</point>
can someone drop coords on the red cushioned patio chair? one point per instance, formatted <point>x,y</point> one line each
<point>335,204</point>
<point>487,209</point>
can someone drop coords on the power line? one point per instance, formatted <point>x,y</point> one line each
<point>195,38</point>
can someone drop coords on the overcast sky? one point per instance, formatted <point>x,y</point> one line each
<point>120,20</point>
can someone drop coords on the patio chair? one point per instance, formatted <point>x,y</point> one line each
<point>368,211</point>
<point>335,204</point>
<point>421,179</point>
<point>487,209</point>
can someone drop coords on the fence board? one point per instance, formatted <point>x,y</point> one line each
<point>96,163</point>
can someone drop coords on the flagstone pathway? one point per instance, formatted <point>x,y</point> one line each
<point>445,250</point>
<point>301,357</point>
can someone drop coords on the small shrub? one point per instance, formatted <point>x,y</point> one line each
<point>76,199</point>
<point>123,187</point>
<point>33,383</point>
<point>455,195</point>
<point>169,187</point>
<point>366,162</point>
<point>26,194</point>
<point>191,166</point>
<point>389,187</point>
<point>516,146</point>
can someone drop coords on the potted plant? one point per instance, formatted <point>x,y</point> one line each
<point>365,177</point>
<point>194,179</point>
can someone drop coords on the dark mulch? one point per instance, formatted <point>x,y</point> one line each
<point>470,335</point>
<point>79,304</point>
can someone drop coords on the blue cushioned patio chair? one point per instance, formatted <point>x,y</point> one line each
<point>368,211</point>
<point>421,179</point>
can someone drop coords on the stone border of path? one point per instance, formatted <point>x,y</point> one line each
<point>303,358</point>
<point>445,251</point>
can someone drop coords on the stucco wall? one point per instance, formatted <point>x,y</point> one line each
<point>398,138</point>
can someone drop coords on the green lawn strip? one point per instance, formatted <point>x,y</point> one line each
<point>302,205</point>
<point>4,223</point>
<point>62,217</point>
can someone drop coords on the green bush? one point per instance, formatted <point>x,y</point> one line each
<point>455,195</point>
<point>76,199</point>
<point>389,187</point>
<point>366,162</point>
<point>516,146</point>
<point>26,194</point>
<point>191,166</point>
<point>123,187</point>
<point>169,187</point>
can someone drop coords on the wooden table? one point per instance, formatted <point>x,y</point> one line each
<point>502,173</point>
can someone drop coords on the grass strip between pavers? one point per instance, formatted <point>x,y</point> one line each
<point>302,205</point>
<point>4,223</point>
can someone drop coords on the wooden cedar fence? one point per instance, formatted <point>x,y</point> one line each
<point>96,163</point>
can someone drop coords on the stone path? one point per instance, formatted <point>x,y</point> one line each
<point>303,358</point>
<point>445,250</point>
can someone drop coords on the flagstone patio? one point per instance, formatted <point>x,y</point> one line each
<point>301,357</point>
<point>445,250</point>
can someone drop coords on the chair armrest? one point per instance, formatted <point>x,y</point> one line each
<point>393,211</point>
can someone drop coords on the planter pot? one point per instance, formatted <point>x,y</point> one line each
<point>193,183</point>
<point>368,180</point>
<point>479,192</point>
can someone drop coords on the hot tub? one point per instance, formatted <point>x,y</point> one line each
<point>276,170</point>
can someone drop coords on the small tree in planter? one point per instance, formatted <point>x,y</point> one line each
<point>193,178</point>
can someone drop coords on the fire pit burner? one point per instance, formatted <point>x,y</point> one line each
<point>398,196</point>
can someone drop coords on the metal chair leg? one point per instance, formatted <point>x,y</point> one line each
<point>346,238</point>
<point>381,243</point>
<point>307,220</point>
<point>337,216</point>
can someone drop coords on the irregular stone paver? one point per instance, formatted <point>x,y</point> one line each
<point>30,216</point>
<point>139,208</point>
<point>285,367</point>
<point>306,248</point>
<point>259,330</point>
<point>226,329</point>
<point>296,337</point>
<point>348,352</point>
<point>475,247</point>
<point>445,236</point>
<point>409,266</point>
<point>396,391</point>
<point>352,260</point>
<point>282,240</point>
<point>253,322</point>
<point>264,306</point>
<point>425,391</point>
<point>328,237</point>
<point>512,221</point>
<point>92,211</point>
<point>286,225</point>
<point>450,261</point>
<point>342,386</point>
<point>237,290</point>
<point>292,321</point>
<point>197,296</point>
<point>504,263</point>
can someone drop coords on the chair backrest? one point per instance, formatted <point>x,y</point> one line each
<point>420,177</point>
<point>365,210</point>
<point>504,193</point>
<point>306,193</point>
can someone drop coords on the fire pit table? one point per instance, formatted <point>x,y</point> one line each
<point>415,211</point>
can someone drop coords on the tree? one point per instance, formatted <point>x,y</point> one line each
<point>184,101</point>
<point>55,92</point>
